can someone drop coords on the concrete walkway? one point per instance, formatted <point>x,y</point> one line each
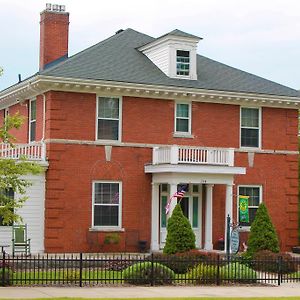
<point>285,290</point>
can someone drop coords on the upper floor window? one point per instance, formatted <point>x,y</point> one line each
<point>183,62</point>
<point>108,118</point>
<point>183,118</point>
<point>255,198</point>
<point>107,204</point>
<point>250,127</point>
<point>32,120</point>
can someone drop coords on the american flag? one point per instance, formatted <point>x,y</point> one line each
<point>179,194</point>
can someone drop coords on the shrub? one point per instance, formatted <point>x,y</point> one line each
<point>180,235</point>
<point>262,233</point>
<point>141,273</point>
<point>71,276</point>
<point>183,261</point>
<point>238,273</point>
<point>8,276</point>
<point>267,261</point>
<point>203,274</point>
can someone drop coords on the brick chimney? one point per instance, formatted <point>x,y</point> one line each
<point>54,34</point>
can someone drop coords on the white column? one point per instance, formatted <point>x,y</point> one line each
<point>155,217</point>
<point>228,209</point>
<point>173,190</point>
<point>208,245</point>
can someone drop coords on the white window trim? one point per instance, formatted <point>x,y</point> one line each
<point>107,228</point>
<point>120,119</point>
<point>259,127</point>
<point>183,76</point>
<point>247,228</point>
<point>31,121</point>
<point>182,133</point>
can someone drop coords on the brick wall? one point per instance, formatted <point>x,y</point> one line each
<point>73,167</point>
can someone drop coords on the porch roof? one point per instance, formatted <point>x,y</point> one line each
<point>194,169</point>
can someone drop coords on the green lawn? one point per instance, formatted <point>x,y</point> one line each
<point>187,298</point>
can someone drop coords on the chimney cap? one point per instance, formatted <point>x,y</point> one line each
<point>55,7</point>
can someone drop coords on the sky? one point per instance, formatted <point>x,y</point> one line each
<point>258,36</point>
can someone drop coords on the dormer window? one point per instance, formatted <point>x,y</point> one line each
<point>183,62</point>
<point>175,54</point>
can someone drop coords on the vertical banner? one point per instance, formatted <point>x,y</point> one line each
<point>243,208</point>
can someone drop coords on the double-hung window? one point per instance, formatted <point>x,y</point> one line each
<point>250,127</point>
<point>182,62</point>
<point>5,197</point>
<point>32,120</point>
<point>255,198</point>
<point>183,118</point>
<point>107,204</point>
<point>108,118</point>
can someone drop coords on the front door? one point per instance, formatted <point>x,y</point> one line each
<point>191,206</point>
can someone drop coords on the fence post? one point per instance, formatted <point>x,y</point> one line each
<point>279,262</point>
<point>152,270</point>
<point>3,268</point>
<point>218,269</point>
<point>80,269</point>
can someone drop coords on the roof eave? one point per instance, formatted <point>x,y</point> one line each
<point>40,84</point>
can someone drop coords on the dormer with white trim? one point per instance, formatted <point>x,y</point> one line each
<point>174,53</point>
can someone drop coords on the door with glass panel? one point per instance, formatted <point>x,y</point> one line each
<point>191,207</point>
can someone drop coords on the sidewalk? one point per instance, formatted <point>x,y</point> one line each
<point>285,290</point>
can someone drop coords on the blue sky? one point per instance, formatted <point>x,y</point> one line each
<point>260,37</point>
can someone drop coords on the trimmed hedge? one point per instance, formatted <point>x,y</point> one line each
<point>141,273</point>
<point>181,262</point>
<point>267,261</point>
<point>238,272</point>
<point>8,275</point>
<point>203,274</point>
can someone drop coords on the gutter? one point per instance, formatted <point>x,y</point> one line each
<point>39,84</point>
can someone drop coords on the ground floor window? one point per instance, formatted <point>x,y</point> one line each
<point>107,202</point>
<point>255,198</point>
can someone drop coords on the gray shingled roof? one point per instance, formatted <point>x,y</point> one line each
<point>180,33</point>
<point>117,59</point>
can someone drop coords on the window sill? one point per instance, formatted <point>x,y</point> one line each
<point>106,229</point>
<point>183,135</point>
<point>108,142</point>
<point>244,148</point>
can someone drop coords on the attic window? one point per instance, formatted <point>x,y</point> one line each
<point>183,62</point>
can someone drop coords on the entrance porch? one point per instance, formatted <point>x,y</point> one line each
<point>201,169</point>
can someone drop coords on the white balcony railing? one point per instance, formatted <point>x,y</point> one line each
<point>33,151</point>
<point>193,155</point>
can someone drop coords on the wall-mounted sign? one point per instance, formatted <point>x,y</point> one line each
<point>235,241</point>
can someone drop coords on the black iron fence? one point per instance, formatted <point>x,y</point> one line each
<point>87,269</point>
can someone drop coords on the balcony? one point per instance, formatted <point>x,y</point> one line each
<point>193,155</point>
<point>32,151</point>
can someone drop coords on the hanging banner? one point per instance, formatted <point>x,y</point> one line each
<point>243,208</point>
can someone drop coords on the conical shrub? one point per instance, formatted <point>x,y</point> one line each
<point>180,235</point>
<point>262,233</point>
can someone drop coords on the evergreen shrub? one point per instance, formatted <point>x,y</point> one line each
<point>180,235</point>
<point>262,233</point>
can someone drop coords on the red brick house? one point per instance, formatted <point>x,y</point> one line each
<point>120,125</point>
